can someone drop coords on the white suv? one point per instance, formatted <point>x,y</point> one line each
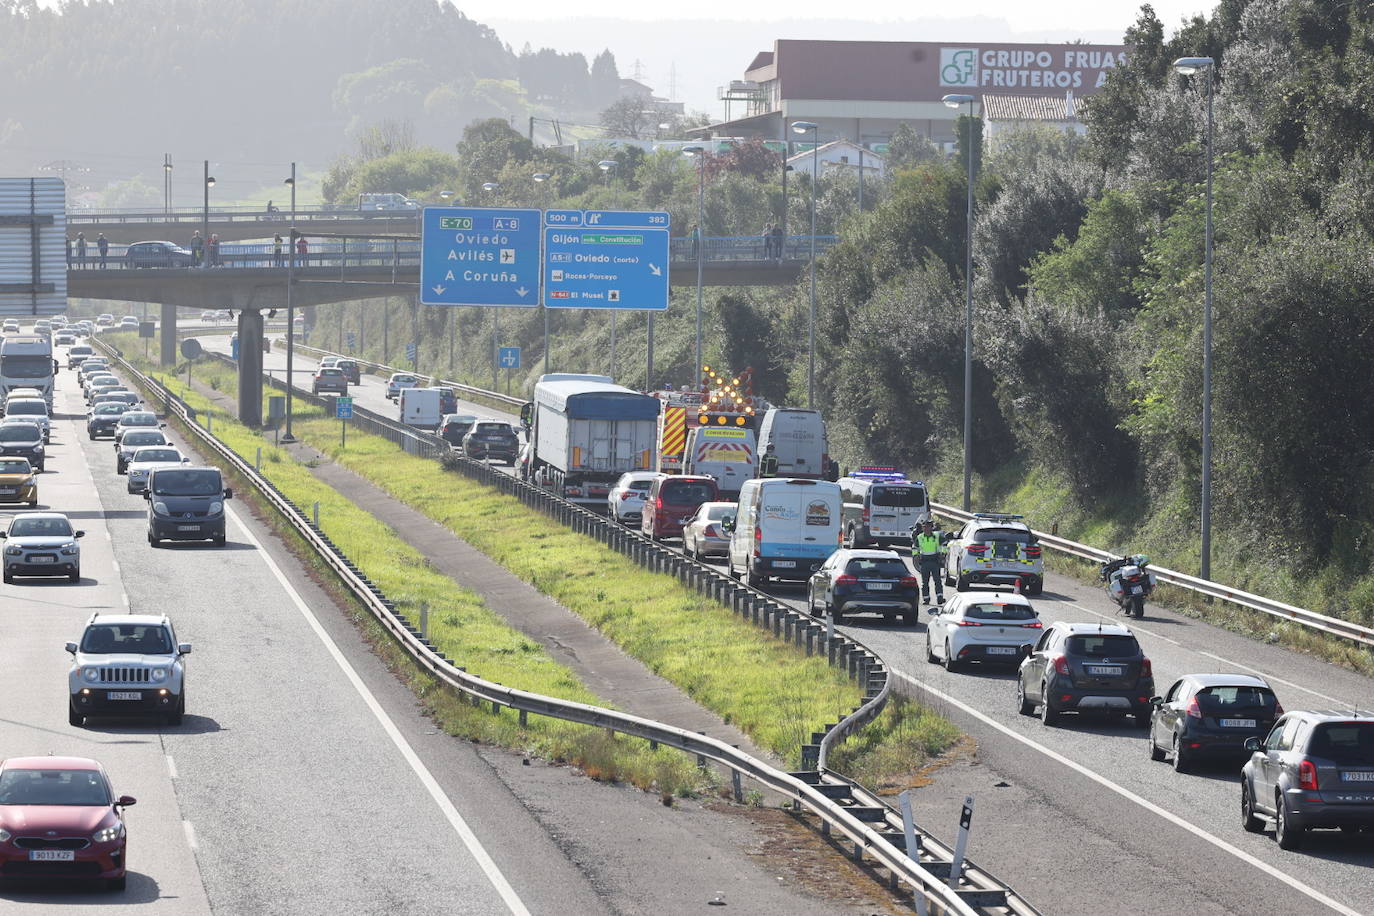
<point>127,665</point>
<point>995,549</point>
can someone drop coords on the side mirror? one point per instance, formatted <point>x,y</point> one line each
<point>934,611</point>
<point>71,647</point>
<point>1252,743</point>
<point>1156,701</point>
<point>125,801</point>
<point>184,648</point>
<point>80,534</point>
<point>4,534</point>
<point>162,426</point>
<point>147,494</point>
<point>228,493</point>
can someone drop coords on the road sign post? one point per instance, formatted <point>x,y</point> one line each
<point>956,866</point>
<point>479,256</point>
<point>508,358</point>
<point>343,409</point>
<point>606,259</point>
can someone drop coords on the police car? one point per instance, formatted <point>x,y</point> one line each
<point>995,549</point>
<point>881,507</point>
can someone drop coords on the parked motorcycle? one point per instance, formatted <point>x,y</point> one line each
<point>1129,583</point>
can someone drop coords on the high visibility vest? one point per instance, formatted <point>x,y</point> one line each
<point>928,545</point>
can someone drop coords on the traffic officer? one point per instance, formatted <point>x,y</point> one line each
<point>925,550</point>
<point>768,465</point>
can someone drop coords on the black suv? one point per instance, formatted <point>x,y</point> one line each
<point>1086,666</point>
<point>1313,769</point>
<point>350,370</point>
<point>455,426</point>
<point>493,441</point>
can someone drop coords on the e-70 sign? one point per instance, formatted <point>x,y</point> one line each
<point>455,222</point>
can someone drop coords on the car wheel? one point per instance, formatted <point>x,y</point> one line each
<point>1024,705</point>
<point>1252,822</point>
<point>910,618</point>
<point>119,467</point>
<point>754,581</point>
<point>1035,589</point>
<point>152,539</point>
<point>930,651</point>
<point>961,584</point>
<point>1156,754</point>
<point>1288,836</point>
<point>832,611</point>
<point>8,577</point>
<point>951,663</point>
<point>75,576</point>
<point>219,540</point>
<point>117,884</point>
<point>33,502</point>
<point>1048,714</point>
<point>1182,761</point>
<point>174,717</point>
<point>74,718</point>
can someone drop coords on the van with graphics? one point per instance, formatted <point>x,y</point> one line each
<point>784,528</point>
<point>724,452</point>
<point>799,442</point>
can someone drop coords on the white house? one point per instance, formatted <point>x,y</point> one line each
<point>1002,113</point>
<point>840,155</point>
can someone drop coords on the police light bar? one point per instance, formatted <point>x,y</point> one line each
<point>998,516</point>
<point>878,473</point>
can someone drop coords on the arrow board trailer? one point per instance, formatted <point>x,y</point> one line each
<point>33,252</point>
<point>725,453</point>
<point>587,432</point>
<point>479,256</point>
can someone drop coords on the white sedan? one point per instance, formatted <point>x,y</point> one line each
<point>148,459</point>
<point>983,627</point>
<point>625,502</point>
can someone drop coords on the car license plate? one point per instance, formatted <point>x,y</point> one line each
<point>880,586</point>
<point>124,695</point>
<point>188,527</point>
<point>1001,650</point>
<point>1357,776</point>
<point>7,491</point>
<point>1238,723</point>
<point>51,855</point>
<point>785,564</point>
<point>42,559</point>
<point>1103,670</point>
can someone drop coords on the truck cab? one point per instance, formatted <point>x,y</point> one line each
<point>27,362</point>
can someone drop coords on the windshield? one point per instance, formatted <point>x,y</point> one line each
<point>994,611</point>
<point>53,787</point>
<point>187,483</point>
<point>15,467</point>
<point>1003,536</point>
<point>26,407</point>
<point>900,497</point>
<point>111,407</point>
<point>156,454</point>
<point>716,513</point>
<point>80,351</point>
<point>127,638</point>
<point>27,366</point>
<point>143,437</point>
<point>330,371</point>
<point>19,432</point>
<point>876,568</point>
<point>404,379</point>
<point>1104,645</point>
<point>1344,743</point>
<point>22,527</point>
<point>640,485</point>
<point>687,493</point>
<point>138,419</point>
<point>494,428</point>
<point>1222,701</point>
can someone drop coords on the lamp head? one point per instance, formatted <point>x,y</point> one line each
<point>607,164</point>
<point>210,182</point>
<point>540,177</point>
<point>290,181</point>
<point>801,127</point>
<point>692,150</point>
<point>954,100</point>
<point>1191,65</point>
<point>490,185</point>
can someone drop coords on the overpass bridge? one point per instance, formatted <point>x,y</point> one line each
<point>235,224</point>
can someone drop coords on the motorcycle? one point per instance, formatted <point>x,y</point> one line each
<point>1129,583</point>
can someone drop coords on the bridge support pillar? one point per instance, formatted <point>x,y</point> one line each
<point>168,351</point>
<point>250,367</point>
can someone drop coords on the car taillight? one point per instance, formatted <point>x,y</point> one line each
<point>712,532</point>
<point>1061,664</point>
<point>1034,625</point>
<point>1146,669</point>
<point>658,502</point>
<point>978,548</point>
<point>846,579</point>
<point>758,541</point>
<point>1307,775</point>
<point>1194,711</point>
<point>972,623</point>
<point>908,580</point>
<point>1032,553</point>
<point>866,515</point>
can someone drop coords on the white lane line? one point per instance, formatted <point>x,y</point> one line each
<point>171,766</point>
<point>190,834</point>
<point>1132,797</point>
<point>1134,626</point>
<point>1270,677</point>
<point>460,826</point>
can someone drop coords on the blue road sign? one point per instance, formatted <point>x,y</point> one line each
<point>352,340</point>
<point>562,217</point>
<point>343,408</point>
<point>479,256</point>
<point>410,351</point>
<point>508,357</point>
<point>620,261</point>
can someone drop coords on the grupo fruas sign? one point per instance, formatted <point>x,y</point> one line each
<point>1054,68</point>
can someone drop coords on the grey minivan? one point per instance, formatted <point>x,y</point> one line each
<point>186,504</point>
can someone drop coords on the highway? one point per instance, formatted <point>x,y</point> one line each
<point>1074,799</point>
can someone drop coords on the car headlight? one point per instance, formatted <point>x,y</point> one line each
<point>71,549</point>
<point>91,674</point>
<point>29,481</point>
<point>5,835</point>
<point>38,447</point>
<point>108,834</point>
<point>159,674</point>
<point>160,508</point>
<point>12,551</point>
<point>216,507</point>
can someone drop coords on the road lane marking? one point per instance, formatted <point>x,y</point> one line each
<point>190,834</point>
<point>1133,797</point>
<point>171,766</point>
<point>1135,627</point>
<point>460,826</point>
<point>1279,680</point>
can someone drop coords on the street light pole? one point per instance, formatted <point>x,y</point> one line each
<point>1189,66</point>
<point>491,187</point>
<point>540,178</point>
<point>611,168</point>
<point>954,101</point>
<point>803,127</point>
<point>166,184</point>
<point>205,219</point>
<point>699,153</point>
<point>290,309</point>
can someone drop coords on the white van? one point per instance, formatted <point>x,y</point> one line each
<point>799,442</point>
<point>420,407</point>
<point>784,528</point>
<point>723,452</point>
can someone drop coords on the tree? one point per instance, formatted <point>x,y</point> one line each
<point>908,149</point>
<point>485,150</point>
<point>630,117</point>
<point>603,84</point>
<point>752,159</point>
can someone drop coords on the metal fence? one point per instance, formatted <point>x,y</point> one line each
<point>865,820</point>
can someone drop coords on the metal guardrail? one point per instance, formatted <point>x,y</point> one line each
<point>978,892</point>
<point>1326,624</point>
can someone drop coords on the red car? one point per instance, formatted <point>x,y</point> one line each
<point>671,502</point>
<point>59,818</point>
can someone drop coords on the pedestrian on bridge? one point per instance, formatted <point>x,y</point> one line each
<point>276,251</point>
<point>69,252</point>
<point>777,241</point>
<point>302,249</point>
<point>104,245</point>
<point>81,250</point>
<point>213,248</point>
<point>197,248</point>
<point>768,242</point>
<point>696,240</point>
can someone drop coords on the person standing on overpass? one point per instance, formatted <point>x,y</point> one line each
<point>213,248</point>
<point>276,251</point>
<point>103,244</point>
<point>302,249</point>
<point>197,247</point>
<point>81,250</point>
<point>925,550</point>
